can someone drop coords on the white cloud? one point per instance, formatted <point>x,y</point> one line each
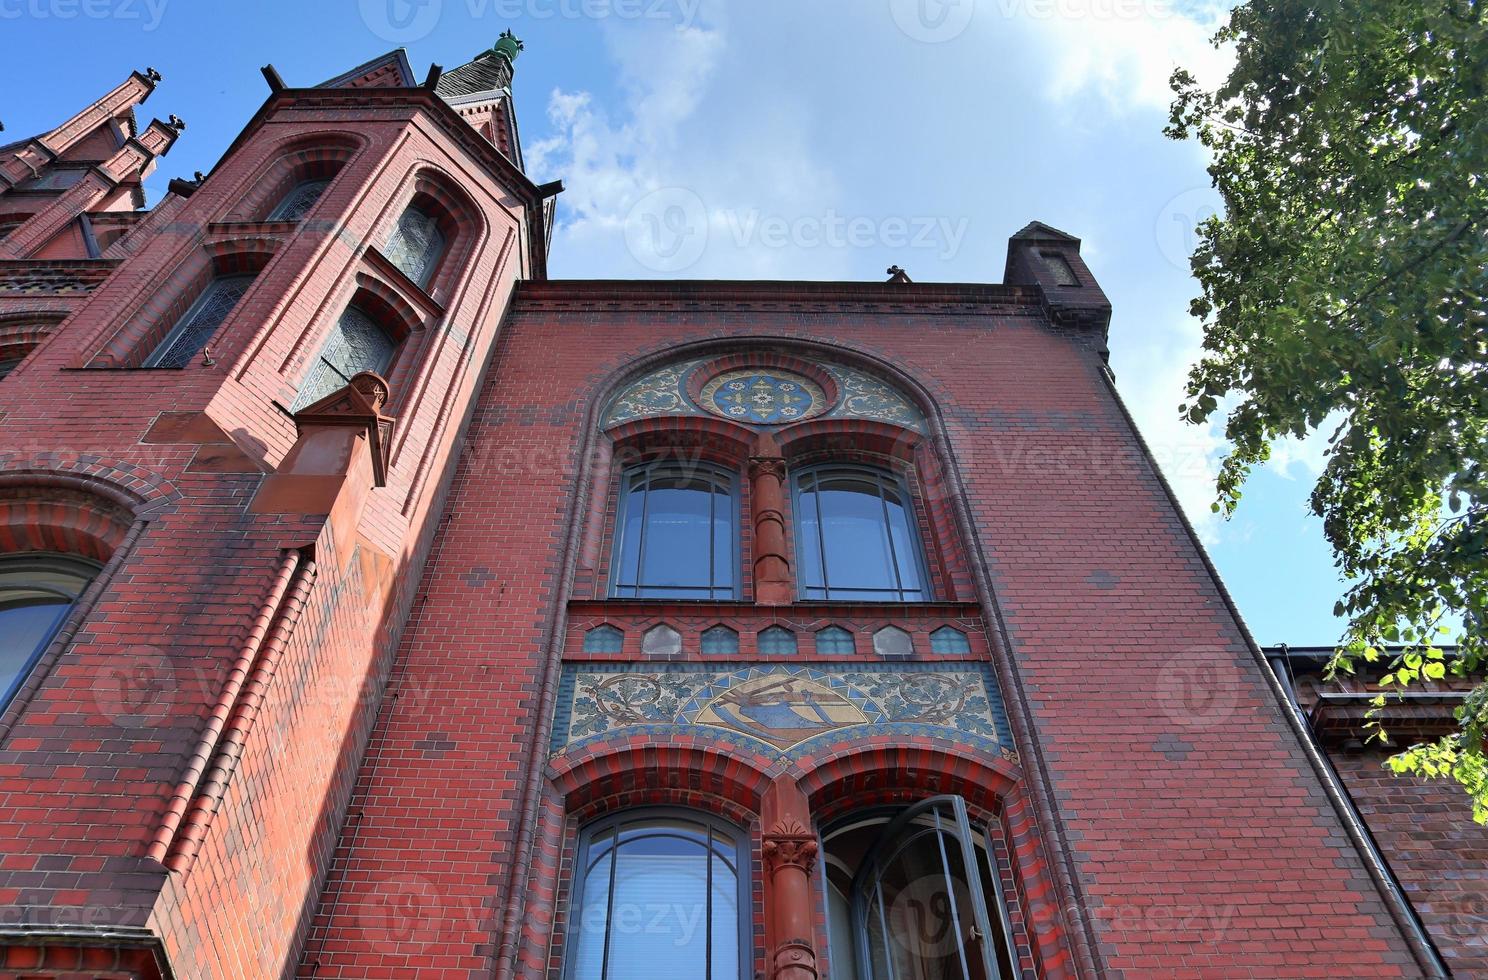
<point>1124,51</point>
<point>1309,454</point>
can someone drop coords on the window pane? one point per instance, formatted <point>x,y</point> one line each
<point>356,344</point>
<point>661,898</point>
<point>299,201</point>
<point>676,536</point>
<point>194,329</point>
<point>36,592</point>
<point>855,538</point>
<point>659,926</point>
<point>725,912</point>
<point>591,918</point>
<point>25,627</point>
<point>679,526</point>
<point>416,245</point>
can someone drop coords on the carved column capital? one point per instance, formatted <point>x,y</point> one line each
<point>790,845</point>
<point>767,466</point>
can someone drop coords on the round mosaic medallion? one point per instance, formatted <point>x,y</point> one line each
<point>763,397</point>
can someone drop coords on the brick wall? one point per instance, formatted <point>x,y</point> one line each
<point>1199,840</point>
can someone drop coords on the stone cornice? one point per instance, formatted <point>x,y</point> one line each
<point>782,296</point>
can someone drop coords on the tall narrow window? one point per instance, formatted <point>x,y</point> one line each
<point>300,199</point>
<point>855,537</point>
<point>915,894</point>
<point>416,245</point>
<point>676,534</point>
<point>357,343</point>
<point>196,327</point>
<point>36,592</point>
<point>660,896</point>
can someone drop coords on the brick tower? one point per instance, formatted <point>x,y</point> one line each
<point>378,607</point>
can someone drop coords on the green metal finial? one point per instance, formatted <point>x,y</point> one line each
<point>507,46</point>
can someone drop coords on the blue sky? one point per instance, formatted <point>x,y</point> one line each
<point>812,139</point>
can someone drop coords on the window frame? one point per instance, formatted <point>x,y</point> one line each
<point>184,321</point>
<point>57,561</point>
<point>744,872</point>
<point>975,844</point>
<point>884,476</point>
<point>395,348</point>
<point>726,478</point>
<point>440,224</point>
<point>277,212</point>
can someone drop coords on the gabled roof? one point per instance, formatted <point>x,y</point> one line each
<point>393,67</point>
<point>1038,231</point>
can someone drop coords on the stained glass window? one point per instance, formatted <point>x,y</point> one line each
<point>720,640</point>
<point>416,245</point>
<point>36,593</point>
<point>604,639</point>
<point>834,639</point>
<point>777,640</point>
<point>662,896</point>
<point>357,343</point>
<point>196,327</point>
<point>855,537</point>
<point>676,534</point>
<point>298,202</point>
<point>949,641</point>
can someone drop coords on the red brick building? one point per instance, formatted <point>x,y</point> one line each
<point>376,606</point>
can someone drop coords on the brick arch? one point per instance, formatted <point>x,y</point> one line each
<point>463,224</point>
<point>158,315</point>
<point>716,439</point>
<point>21,333</point>
<point>298,158</point>
<point>790,353</point>
<point>861,772</point>
<point>132,488</point>
<point>686,770</point>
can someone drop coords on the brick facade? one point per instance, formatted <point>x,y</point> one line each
<point>303,721</point>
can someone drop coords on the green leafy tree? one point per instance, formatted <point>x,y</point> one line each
<point>1344,291</point>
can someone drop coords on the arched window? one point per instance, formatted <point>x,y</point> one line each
<point>357,343</point>
<point>8,365</point>
<point>36,592</point>
<point>855,537</point>
<point>416,245</point>
<point>200,322</point>
<point>914,893</point>
<point>300,199</point>
<point>659,895</point>
<point>676,533</point>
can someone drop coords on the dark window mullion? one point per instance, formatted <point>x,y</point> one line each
<point>888,532</point>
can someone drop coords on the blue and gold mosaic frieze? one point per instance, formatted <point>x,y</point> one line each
<point>764,397</point>
<point>786,708</point>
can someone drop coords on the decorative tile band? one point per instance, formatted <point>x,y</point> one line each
<point>786,708</point>
<point>664,392</point>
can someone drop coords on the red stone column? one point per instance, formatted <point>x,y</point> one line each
<point>772,569</point>
<point>790,855</point>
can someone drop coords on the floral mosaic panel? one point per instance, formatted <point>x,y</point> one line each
<point>664,392</point>
<point>782,707</point>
